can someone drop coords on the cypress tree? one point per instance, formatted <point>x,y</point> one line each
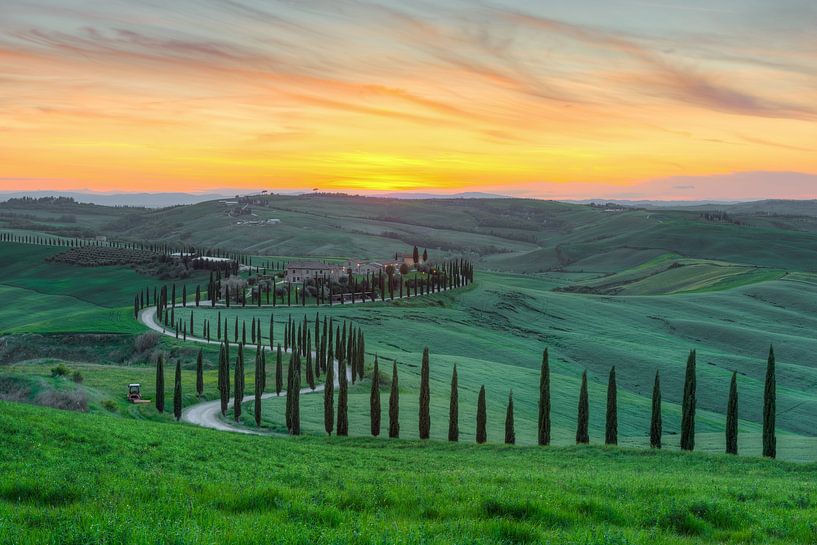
<point>224,376</point>
<point>290,393</point>
<point>296,397</point>
<point>688,406</point>
<point>482,417</point>
<point>239,383</point>
<point>582,434</point>
<point>544,401</point>
<point>394,405</point>
<point>655,420</point>
<point>160,383</point>
<point>611,422</point>
<point>343,401</point>
<point>769,401</point>
<point>329,399</point>
<point>279,372</point>
<point>510,434</point>
<point>259,384</point>
<point>263,368</point>
<point>199,374</point>
<point>732,417</point>
<point>425,398</point>
<point>374,400</point>
<point>177,392</point>
<point>310,375</point>
<point>454,409</point>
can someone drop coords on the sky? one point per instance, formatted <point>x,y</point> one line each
<point>641,99</point>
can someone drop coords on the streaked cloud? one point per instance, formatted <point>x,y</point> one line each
<point>392,95</point>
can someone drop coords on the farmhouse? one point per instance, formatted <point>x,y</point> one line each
<point>298,271</point>
<point>408,259</point>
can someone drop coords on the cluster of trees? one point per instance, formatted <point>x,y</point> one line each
<point>348,349</point>
<point>308,360</point>
<point>224,287</point>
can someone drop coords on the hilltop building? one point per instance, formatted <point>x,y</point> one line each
<point>298,271</point>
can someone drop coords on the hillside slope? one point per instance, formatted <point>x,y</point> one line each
<point>95,479</point>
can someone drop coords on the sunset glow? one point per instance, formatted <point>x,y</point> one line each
<point>522,98</point>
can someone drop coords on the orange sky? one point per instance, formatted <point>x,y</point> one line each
<point>520,98</point>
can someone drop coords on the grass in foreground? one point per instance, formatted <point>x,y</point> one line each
<point>71,478</point>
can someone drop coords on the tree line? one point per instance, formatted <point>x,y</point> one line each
<point>347,348</point>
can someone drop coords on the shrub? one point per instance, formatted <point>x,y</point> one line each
<point>110,405</point>
<point>146,341</point>
<point>74,400</point>
<point>60,371</point>
<point>77,377</point>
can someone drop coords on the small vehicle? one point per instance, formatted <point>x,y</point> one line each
<point>135,394</point>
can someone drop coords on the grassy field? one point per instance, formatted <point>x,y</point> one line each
<point>495,332</point>
<point>97,479</point>
<point>47,297</point>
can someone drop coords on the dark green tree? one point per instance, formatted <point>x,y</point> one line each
<point>510,433</point>
<point>544,401</point>
<point>425,398</point>
<point>688,405</point>
<point>769,401</point>
<point>655,419</point>
<point>199,373</point>
<point>732,417</point>
<point>374,400</point>
<point>259,383</point>
<point>454,409</point>
<point>611,422</point>
<point>310,374</point>
<point>177,392</point>
<point>290,393</point>
<point>482,417</point>
<point>394,404</point>
<point>296,397</point>
<point>582,426</point>
<point>279,372</point>
<point>160,383</point>
<point>329,399</point>
<point>343,401</point>
<point>239,383</point>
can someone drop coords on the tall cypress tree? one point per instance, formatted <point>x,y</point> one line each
<point>177,392</point>
<point>394,404</point>
<point>688,405</point>
<point>732,417</point>
<point>425,398</point>
<point>290,393</point>
<point>310,375</point>
<point>296,397</point>
<point>454,409</point>
<point>582,426</point>
<point>374,400</point>
<point>199,374</point>
<point>160,383</point>
<point>655,420</point>
<point>510,434</point>
<point>611,423</point>
<point>329,399</point>
<point>259,383</point>
<point>482,417</point>
<point>544,401</point>
<point>239,383</point>
<point>343,401</point>
<point>769,401</point>
<point>224,374</point>
<point>279,372</point>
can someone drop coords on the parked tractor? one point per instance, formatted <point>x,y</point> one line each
<point>135,394</point>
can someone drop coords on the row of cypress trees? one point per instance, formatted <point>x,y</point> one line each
<point>338,422</point>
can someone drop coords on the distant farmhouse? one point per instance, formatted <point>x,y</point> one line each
<point>298,271</point>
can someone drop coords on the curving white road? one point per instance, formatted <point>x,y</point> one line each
<point>208,413</point>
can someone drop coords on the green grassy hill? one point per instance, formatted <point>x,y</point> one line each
<point>97,479</point>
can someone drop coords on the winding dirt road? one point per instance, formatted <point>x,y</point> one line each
<point>208,413</point>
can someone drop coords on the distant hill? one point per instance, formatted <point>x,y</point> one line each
<point>147,200</point>
<point>504,234</point>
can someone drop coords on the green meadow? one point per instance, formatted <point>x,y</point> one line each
<point>634,289</point>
